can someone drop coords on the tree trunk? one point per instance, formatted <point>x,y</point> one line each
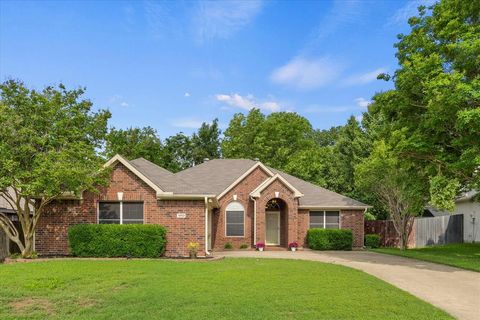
<point>27,252</point>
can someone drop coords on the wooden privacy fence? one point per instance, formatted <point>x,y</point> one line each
<point>387,232</point>
<point>3,245</point>
<point>439,230</point>
<point>425,231</point>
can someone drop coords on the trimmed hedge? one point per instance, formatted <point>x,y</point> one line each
<point>115,240</point>
<point>330,239</point>
<point>372,240</point>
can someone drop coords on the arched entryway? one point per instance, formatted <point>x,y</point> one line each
<point>276,223</point>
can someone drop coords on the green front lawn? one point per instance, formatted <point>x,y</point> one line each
<point>461,255</point>
<point>224,289</point>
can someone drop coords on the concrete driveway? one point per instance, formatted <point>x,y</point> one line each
<point>454,290</point>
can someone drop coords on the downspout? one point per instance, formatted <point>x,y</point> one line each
<point>254,221</point>
<point>206,227</point>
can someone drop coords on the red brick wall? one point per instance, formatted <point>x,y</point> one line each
<point>303,226</point>
<point>51,236</point>
<point>242,190</point>
<point>353,220</point>
<point>51,233</point>
<point>291,203</point>
<point>181,231</point>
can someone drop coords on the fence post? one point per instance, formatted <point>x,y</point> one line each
<point>3,246</point>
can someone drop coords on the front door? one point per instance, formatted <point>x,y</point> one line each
<point>273,227</point>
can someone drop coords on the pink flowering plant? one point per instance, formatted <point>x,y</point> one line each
<point>293,244</point>
<point>260,245</point>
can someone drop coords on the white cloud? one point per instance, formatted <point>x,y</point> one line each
<point>188,123</point>
<point>304,73</point>
<point>193,123</point>
<point>247,102</point>
<point>328,109</point>
<point>341,14</point>
<point>362,102</point>
<point>410,9</point>
<point>187,94</point>
<point>364,78</point>
<point>117,100</point>
<point>220,19</point>
<point>161,18</point>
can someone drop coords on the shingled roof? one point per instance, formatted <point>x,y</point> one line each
<point>214,176</point>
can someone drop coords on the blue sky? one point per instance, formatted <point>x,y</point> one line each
<point>173,65</point>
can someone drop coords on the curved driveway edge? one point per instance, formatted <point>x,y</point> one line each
<point>454,290</point>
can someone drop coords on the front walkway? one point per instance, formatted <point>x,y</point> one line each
<point>454,290</point>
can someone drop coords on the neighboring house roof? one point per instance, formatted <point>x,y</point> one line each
<point>5,206</point>
<point>434,212</point>
<point>216,177</point>
<point>467,196</point>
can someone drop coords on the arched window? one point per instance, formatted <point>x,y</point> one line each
<point>234,220</point>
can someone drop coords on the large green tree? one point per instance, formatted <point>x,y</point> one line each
<point>48,145</point>
<point>240,138</point>
<point>274,139</point>
<point>432,117</point>
<point>177,152</point>
<point>135,143</point>
<point>206,142</point>
<point>395,184</point>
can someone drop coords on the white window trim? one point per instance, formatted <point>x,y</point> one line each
<point>121,211</point>
<point>324,219</point>
<point>242,236</point>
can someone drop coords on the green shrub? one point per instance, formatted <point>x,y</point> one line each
<point>330,239</point>
<point>243,246</point>
<point>115,240</point>
<point>228,245</point>
<point>372,240</point>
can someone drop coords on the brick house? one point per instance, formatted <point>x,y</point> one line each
<point>236,201</point>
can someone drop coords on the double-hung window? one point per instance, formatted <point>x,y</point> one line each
<point>234,220</point>
<point>119,212</point>
<point>325,219</point>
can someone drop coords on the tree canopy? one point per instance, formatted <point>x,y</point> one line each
<point>48,142</point>
<point>432,116</point>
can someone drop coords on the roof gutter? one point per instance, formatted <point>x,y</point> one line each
<point>173,196</point>
<point>335,207</point>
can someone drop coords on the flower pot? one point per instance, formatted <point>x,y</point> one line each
<point>293,248</point>
<point>260,249</point>
<point>193,255</point>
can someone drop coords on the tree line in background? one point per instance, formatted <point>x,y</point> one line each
<point>418,143</point>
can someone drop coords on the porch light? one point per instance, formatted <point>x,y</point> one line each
<point>234,197</point>
<point>277,194</point>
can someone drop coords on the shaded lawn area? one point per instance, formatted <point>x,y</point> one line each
<point>224,289</point>
<point>461,255</point>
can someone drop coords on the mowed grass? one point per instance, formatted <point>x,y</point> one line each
<point>461,255</point>
<point>224,289</point>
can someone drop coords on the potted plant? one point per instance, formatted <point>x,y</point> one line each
<point>193,249</point>
<point>293,246</point>
<point>260,246</point>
